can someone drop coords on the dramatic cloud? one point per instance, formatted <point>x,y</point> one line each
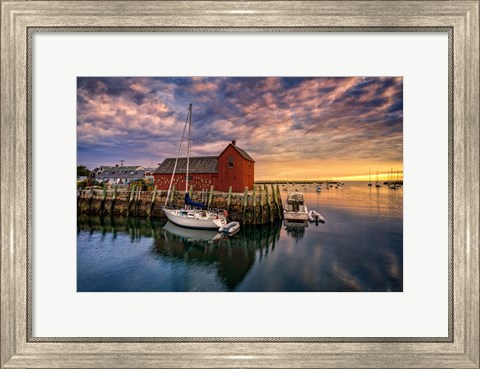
<point>292,127</point>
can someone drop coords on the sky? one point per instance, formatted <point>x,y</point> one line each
<point>293,127</point>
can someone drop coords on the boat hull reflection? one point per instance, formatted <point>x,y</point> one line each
<point>295,228</point>
<point>192,234</point>
<point>232,257</point>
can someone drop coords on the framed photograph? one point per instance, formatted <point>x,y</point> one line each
<point>257,184</point>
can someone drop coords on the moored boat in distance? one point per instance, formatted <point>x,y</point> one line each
<point>295,208</point>
<point>393,181</point>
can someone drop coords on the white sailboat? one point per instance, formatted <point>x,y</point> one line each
<point>193,214</point>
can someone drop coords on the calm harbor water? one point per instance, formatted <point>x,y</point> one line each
<point>359,248</point>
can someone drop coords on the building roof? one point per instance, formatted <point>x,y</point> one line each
<point>121,172</point>
<point>120,167</point>
<point>243,153</point>
<point>198,165</point>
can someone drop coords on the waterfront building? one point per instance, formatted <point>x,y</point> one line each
<point>149,173</point>
<point>118,174</point>
<point>232,167</point>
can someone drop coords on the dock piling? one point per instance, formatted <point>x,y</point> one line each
<point>90,200</point>
<point>210,196</point>
<point>254,206</point>
<point>269,210</point>
<point>152,202</point>
<point>132,195</point>
<point>245,203</point>
<point>261,204</point>
<point>229,198</point>
<point>275,198</point>
<point>114,197</point>
<point>172,194</point>
<point>280,205</point>
<point>104,199</point>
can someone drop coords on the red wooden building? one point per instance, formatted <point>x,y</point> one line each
<point>233,167</point>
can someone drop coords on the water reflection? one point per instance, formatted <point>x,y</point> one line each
<point>232,257</point>
<point>135,228</point>
<point>295,229</point>
<point>189,234</point>
<point>187,251</point>
<point>358,198</point>
<point>359,248</point>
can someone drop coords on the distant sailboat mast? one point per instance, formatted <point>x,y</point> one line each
<point>369,177</point>
<point>393,181</point>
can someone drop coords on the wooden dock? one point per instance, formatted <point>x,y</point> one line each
<point>261,205</point>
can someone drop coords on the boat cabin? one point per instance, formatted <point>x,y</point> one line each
<point>295,202</point>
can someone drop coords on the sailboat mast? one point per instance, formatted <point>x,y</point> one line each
<point>176,162</point>
<point>188,144</point>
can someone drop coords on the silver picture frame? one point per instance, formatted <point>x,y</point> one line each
<point>19,22</point>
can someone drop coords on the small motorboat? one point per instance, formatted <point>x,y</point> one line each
<point>314,216</point>
<point>295,208</point>
<point>230,228</point>
<point>319,189</point>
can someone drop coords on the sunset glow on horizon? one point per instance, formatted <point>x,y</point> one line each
<point>294,128</point>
